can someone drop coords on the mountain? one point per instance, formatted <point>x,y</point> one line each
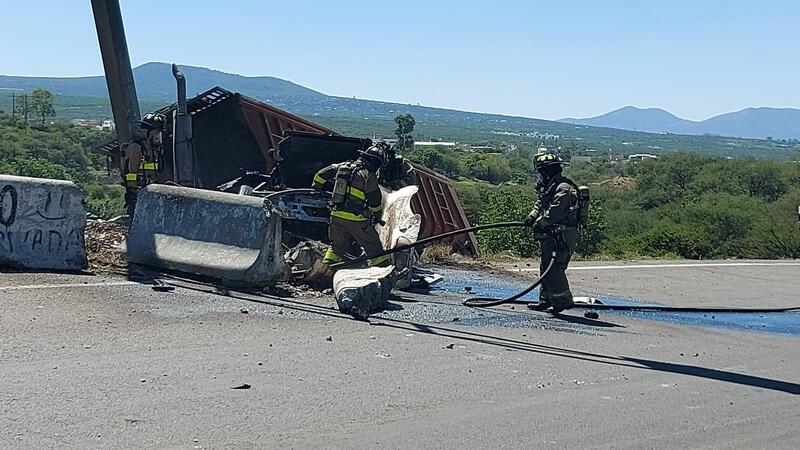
<point>653,120</point>
<point>756,123</point>
<point>87,97</point>
<point>760,123</point>
<point>154,81</point>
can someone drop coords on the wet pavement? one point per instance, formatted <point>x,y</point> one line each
<point>442,305</point>
<point>468,283</point>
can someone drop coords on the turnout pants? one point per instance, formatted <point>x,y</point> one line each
<point>348,237</point>
<point>555,286</point>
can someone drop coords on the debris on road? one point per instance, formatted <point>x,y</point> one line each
<point>219,290</point>
<point>161,286</point>
<point>282,289</point>
<point>591,315</point>
<point>103,240</point>
<point>242,386</point>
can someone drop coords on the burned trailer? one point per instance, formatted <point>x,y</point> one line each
<point>231,133</point>
<point>245,146</point>
<point>441,210</point>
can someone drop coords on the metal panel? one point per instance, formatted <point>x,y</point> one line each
<point>441,211</point>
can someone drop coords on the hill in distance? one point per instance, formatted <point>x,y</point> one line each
<point>757,123</point>
<point>87,97</point>
<point>154,81</point>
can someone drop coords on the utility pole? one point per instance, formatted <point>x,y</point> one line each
<point>117,65</point>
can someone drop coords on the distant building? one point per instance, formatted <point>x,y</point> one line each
<point>105,125</point>
<point>434,144</point>
<point>482,148</point>
<point>641,157</point>
<point>90,123</point>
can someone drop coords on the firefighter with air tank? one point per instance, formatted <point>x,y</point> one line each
<point>562,208</point>
<point>140,158</point>
<point>356,207</point>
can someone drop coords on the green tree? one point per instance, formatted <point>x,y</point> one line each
<point>669,179</point>
<point>34,167</point>
<point>22,107</point>
<point>41,104</point>
<point>765,180</point>
<point>506,204</point>
<point>405,126</point>
<point>489,167</point>
<point>438,159</point>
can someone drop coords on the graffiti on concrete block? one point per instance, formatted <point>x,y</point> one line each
<point>40,239</point>
<point>41,224</point>
<point>8,205</point>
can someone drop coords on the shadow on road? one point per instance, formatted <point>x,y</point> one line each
<point>487,339</point>
<point>719,375</point>
<point>636,363</point>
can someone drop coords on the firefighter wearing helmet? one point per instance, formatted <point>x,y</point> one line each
<point>554,220</point>
<point>141,158</point>
<point>356,207</point>
<point>397,172</point>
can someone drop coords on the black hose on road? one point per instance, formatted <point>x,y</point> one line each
<point>687,309</point>
<point>484,302</point>
<point>400,248</point>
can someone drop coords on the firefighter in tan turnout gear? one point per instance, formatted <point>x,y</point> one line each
<point>562,207</point>
<point>141,157</point>
<point>356,208</point>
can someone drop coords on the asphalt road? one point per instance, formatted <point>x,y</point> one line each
<point>96,362</point>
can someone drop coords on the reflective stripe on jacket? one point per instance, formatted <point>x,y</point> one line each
<point>364,196</point>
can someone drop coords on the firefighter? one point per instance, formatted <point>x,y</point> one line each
<point>140,158</point>
<point>356,206</point>
<point>396,172</point>
<point>554,220</point>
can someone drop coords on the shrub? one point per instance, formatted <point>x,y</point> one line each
<point>508,204</point>
<point>34,167</point>
<point>682,240</point>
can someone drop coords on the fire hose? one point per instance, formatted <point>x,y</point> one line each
<point>483,302</point>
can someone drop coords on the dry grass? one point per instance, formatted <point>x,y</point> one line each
<point>436,253</point>
<point>102,247</point>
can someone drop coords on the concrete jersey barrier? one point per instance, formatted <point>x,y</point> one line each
<point>215,234</point>
<point>42,222</point>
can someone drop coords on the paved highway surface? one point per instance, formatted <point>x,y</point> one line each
<point>101,362</point>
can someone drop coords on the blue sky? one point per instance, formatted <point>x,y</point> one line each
<point>542,59</point>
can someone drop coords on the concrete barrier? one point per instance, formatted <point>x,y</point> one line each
<point>41,224</point>
<point>208,233</point>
